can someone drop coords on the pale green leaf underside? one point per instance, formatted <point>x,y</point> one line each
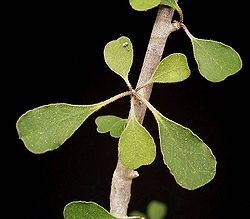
<point>156,210</point>
<point>188,158</point>
<point>47,127</point>
<point>173,68</point>
<point>136,146</point>
<point>144,5</point>
<point>216,61</point>
<point>85,210</point>
<point>113,124</point>
<point>118,55</point>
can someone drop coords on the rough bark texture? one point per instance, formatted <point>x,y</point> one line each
<point>121,190</point>
<point>122,177</point>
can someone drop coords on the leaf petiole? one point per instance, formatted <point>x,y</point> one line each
<point>187,31</point>
<point>116,97</point>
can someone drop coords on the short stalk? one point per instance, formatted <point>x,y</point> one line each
<point>116,97</point>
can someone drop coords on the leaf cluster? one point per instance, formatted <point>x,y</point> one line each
<point>188,158</point>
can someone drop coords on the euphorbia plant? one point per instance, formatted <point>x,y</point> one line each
<point>187,156</point>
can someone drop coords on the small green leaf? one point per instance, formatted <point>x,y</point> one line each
<point>173,4</point>
<point>144,5</point>
<point>47,127</point>
<point>136,146</point>
<point>157,210</point>
<point>216,61</point>
<point>85,210</point>
<point>173,68</point>
<point>113,124</point>
<point>118,55</point>
<point>188,158</point>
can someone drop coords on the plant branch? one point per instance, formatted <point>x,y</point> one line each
<point>122,177</point>
<point>163,27</point>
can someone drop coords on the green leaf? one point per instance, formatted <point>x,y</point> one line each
<point>47,127</point>
<point>156,210</point>
<point>144,5</point>
<point>173,68</point>
<point>85,210</point>
<point>216,61</point>
<point>113,124</point>
<point>188,158</point>
<point>173,4</point>
<point>136,146</point>
<point>118,55</point>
